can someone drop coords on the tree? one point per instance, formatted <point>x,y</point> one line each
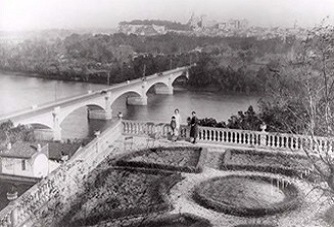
<point>303,89</point>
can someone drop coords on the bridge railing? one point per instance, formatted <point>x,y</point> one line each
<point>63,101</point>
<point>238,138</point>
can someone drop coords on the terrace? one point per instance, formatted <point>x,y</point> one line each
<point>136,176</point>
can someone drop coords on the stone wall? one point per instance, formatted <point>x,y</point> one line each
<point>55,193</point>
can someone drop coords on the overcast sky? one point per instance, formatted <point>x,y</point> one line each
<point>44,14</point>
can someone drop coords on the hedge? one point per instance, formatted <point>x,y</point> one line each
<point>122,213</point>
<point>175,218</point>
<point>194,167</point>
<point>255,225</point>
<point>291,172</point>
<point>187,169</point>
<point>158,191</point>
<point>291,202</point>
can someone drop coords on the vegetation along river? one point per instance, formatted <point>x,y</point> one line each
<point>19,92</point>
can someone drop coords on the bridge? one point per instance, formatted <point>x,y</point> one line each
<point>99,103</point>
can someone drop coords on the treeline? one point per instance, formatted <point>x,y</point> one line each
<point>232,64</point>
<point>275,119</point>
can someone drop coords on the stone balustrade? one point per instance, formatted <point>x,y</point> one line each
<point>238,138</point>
<point>61,182</point>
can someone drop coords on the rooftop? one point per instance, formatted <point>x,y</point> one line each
<point>20,149</point>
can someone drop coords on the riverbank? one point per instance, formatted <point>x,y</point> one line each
<point>178,86</point>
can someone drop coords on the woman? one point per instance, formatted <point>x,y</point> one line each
<point>193,127</point>
<point>178,121</point>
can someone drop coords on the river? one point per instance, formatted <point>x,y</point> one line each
<point>19,92</point>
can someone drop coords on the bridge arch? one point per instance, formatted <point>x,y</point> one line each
<point>159,87</point>
<point>129,93</point>
<point>39,126</point>
<point>90,105</point>
<point>42,122</point>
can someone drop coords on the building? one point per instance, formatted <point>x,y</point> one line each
<point>24,159</point>
<point>141,29</point>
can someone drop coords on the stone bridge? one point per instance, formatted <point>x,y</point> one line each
<point>51,115</point>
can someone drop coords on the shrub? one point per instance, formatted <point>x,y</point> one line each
<point>292,165</point>
<point>191,166</point>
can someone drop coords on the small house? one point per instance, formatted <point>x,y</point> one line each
<point>24,159</point>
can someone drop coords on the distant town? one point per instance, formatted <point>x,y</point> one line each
<point>203,26</point>
<point>195,26</point>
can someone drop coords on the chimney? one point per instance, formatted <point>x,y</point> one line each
<point>9,146</point>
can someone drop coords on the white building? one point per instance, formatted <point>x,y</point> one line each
<point>24,159</point>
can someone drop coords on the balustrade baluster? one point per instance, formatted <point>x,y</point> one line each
<point>326,145</point>
<point>286,142</point>
<point>135,126</point>
<point>269,140</point>
<point>295,143</point>
<point>126,127</point>
<point>280,143</point>
<point>299,147</point>
<point>277,141</point>
<point>330,146</point>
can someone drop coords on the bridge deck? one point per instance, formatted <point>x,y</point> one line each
<point>47,107</point>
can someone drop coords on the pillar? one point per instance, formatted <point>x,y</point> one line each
<point>187,74</point>
<point>263,135</point>
<point>101,114</point>
<point>56,124</point>
<point>108,106</point>
<point>14,216</point>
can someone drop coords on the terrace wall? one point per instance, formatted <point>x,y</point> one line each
<point>63,185</point>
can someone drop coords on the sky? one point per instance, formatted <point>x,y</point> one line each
<point>80,14</point>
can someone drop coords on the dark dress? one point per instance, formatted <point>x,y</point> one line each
<point>194,127</point>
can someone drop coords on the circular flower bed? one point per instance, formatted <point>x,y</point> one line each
<point>247,195</point>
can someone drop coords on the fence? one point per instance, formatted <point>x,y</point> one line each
<point>239,138</point>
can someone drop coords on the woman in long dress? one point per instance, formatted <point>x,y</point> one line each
<point>193,127</point>
<point>178,121</point>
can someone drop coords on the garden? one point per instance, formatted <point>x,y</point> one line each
<point>289,164</point>
<point>178,186</point>
<point>183,159</point>
<point>119,192</point>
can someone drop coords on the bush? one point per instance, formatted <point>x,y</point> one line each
<point>292,165</point>
<point>174,220</point>
<point>152,195</point>
<point>191,166</point>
